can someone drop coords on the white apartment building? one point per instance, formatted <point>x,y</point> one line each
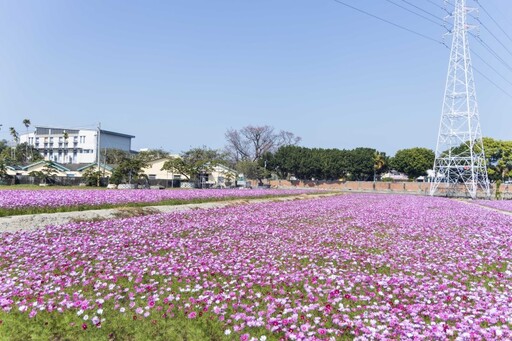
<point>74,145</point>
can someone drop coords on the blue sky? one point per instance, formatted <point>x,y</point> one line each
<point>177,74</point>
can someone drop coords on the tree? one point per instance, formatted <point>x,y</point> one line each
<point>18,154</point>
<point>251,142</point>
<point>92,176</point>
<point>152,154</point>
<point>3,146</point>
<point>413,162</point>
<point>195,162</point>
<point>15,138</point>
<point>26,123</point>
<point>115,156</point>
<point>379,163</point>
<point>47,174</point>
<point>498,156</point>
<point>127,170</point>
<point>3,172</point>
<point>361,163</point>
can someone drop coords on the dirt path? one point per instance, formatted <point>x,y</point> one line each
<point>34,221</point>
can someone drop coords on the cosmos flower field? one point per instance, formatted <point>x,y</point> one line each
<point>361,266</point>
<point>24,200</point>
<point>502,205</point>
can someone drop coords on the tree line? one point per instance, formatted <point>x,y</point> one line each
<point>260,152</point>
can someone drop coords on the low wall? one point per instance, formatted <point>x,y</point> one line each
<point>370,186</point>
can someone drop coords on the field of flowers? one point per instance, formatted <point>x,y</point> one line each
<point>502,205</point>
<point>12,201</point>
<point>350,266</point>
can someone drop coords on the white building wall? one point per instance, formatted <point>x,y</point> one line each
<point>80,147</point>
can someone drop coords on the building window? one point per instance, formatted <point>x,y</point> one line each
<point>82,139</point>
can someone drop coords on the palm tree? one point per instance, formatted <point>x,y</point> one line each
<point>26,122</point>
<point>66,136</point>
<point>16,138</point>
<point>379,161</point>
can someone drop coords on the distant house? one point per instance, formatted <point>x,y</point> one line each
<point>154,170</point>
<point>75,146</point>
<point>40,166</point>
<point>14,170</point>
<point>394,175</point>
<point>105,170</point>
<point>222,176</point>
<point>219,175</point>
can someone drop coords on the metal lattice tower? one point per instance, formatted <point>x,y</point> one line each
<point>459,167</point>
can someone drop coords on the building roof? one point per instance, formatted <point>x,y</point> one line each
<point>52,164</point>
<point>75,131</point>
<point>89,165</point>
<point>116,134</point>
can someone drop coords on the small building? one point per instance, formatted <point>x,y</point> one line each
<point>216,176</point>
<point>154,170</point>
<point>395,176</point>
<point>222,176</point>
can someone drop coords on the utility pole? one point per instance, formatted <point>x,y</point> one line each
<point>460,161</point>
<point>98,155</point>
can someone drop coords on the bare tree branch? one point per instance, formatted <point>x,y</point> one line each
<point>251,142</point>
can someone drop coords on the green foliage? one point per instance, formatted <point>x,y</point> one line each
<point>21,154</point>
<point>3,146</point>
<point>361,163</point>
<point>498,156</point>
<point>326,164</point>
<point>128,170</point>
<point>151,154</point>
<point>47,174</point>
<point>92,176</point>
<point>413,162</point>
<point>116,326</point>
<point>250,169</point>
<point>195,161</point>
<point>498,192</point>
<point>114,156</point>
<point>3,172</point>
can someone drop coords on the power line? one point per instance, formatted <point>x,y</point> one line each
<point>491,51</point>
<point>436,41</point>
<point>490,81</point>
<point>492,34</point>
<point>490,66</point>
<point>423,10</point>
<point>389,22</point>
<point>439,6</point>
<point>415,13</point>
<point>490,16</point>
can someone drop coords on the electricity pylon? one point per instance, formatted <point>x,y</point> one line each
<point>459,167</point>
